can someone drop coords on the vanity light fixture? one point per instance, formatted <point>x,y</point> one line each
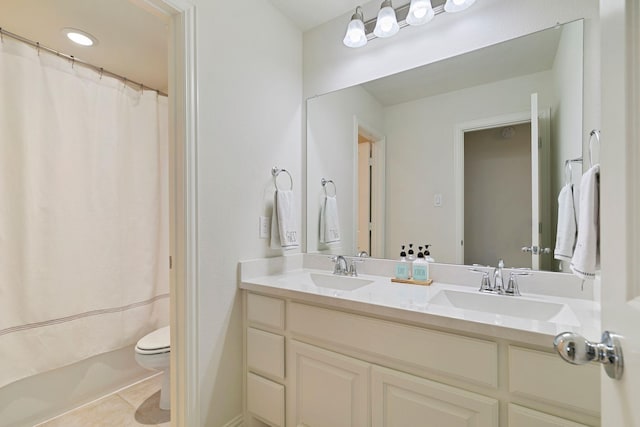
<point>355,36</point>
<point>387,22</point>
<point>390,20</point>
<point>79,37</point>
<point>420,12</point>
<point>457,5</point>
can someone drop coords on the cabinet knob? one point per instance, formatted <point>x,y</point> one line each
<point>577,350</point>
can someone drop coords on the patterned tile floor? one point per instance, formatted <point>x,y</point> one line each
<point>137,405</point>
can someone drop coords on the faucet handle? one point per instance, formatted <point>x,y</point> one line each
<point>485,284</point>
<point>512,287</point>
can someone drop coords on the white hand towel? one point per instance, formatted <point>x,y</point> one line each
<point>329,223</point>
<point>284,223</point>
<point>566,233</point>
<point>586,256</point>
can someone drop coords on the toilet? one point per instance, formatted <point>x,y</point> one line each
<point>152,352</point>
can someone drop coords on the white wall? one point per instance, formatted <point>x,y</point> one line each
<point>566,115</point>
<point>249,81</point>
<point>331,153</point>
<point>420,157</point>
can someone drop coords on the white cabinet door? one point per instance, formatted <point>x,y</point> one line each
<point>524,417</point>
<point>326,388</point>
<point>402,400</point>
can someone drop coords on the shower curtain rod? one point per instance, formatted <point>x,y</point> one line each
<point>74,60</point>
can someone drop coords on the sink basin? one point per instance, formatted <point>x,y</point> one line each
<point>343,283</point>
<point>506,305</point>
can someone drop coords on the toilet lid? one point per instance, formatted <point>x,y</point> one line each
<point>157,341</point>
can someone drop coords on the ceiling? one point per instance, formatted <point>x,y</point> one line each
<point>307,14</point>
<point>132,39</point>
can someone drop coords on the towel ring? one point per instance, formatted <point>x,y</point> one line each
<point>275,171</point>
<point>593,133</point>
<point>324,183</point>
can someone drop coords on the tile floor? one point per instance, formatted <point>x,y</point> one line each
<point>137,405</point>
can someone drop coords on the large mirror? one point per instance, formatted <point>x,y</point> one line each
<point>467,154</point>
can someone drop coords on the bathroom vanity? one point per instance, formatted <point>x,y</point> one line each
<point>326,350</point>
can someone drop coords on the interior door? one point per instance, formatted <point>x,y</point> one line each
<point>535,183</point>
<point>620,203</point>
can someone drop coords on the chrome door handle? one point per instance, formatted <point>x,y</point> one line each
<point>577,350</point>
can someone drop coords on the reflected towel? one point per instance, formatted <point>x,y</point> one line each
<point>329,223</point>
<point>566,233</point>
<point>586,256</point>
<point>284,223</point>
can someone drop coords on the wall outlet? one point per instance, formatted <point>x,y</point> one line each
<point>437,200</point>
<point>265,227</point>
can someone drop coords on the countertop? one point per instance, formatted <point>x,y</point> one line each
<point>429,305</point>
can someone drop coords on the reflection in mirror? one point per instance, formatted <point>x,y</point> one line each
<point>432,155</point>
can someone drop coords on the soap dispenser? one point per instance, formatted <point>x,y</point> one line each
<point>420,267</point>
<point>410,258</point>
<point>427,254</point>
<point>402,266</point>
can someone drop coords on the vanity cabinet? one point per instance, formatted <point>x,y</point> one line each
<point>314,365</point>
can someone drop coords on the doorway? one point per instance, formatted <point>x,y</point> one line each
<point>497,197</point>
<point>370,190</point>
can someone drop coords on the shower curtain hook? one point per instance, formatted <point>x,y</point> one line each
<point>1,36</point>
<point>101,72</point>
<point>38,48</point>
<point>73,61</point>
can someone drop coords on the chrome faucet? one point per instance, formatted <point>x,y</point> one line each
<point>340,267</point>
<point>498,282</point>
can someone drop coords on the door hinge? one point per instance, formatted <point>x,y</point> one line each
<point>370,161</point>
<point>170,262</point>
<point>539,142</point>
<point>539,228</point>
<point>370,226</point>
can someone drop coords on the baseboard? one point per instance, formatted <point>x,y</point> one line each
<point>236,422</point>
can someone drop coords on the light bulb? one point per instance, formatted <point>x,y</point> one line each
<point>355,36</point>
<point>420,12</point>
<point>457,5</point>
<point>387,23</point>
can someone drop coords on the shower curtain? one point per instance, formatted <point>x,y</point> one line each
<point>84,247</point>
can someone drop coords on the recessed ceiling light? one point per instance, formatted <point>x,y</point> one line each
<point>80,37</point>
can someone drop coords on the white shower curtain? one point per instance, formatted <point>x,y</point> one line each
<point>84,245</point>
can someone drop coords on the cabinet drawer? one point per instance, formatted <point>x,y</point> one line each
<point>265,399</point>
<point>265,311</point>
<point>461,357</point>
<point>546,377</point>
<point>265,353</point>
<point>525,417</point>
<point>400,399</point>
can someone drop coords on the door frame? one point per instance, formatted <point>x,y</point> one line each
<point>181,15</point>
<point>458,162</point>
<point>378,187</point>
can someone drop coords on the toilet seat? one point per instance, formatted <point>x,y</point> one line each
<point>156,342</point>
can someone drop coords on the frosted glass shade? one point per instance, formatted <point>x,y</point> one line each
<point>457,5</point>
<point>420,12</point>
<point>387,23</point>
<point>355,36</point>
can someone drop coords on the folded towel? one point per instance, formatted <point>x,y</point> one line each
<point>566,233</point>
<point>284,223</point>
<point>586,256</point>
<point>329,224</point>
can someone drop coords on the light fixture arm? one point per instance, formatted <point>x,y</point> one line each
<point>401,14</point>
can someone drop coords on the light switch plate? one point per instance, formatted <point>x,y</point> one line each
<point>265,226</point>
<point>437,200</point>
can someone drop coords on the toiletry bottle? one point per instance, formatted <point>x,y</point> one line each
<point>420,267</point>
<point>402,266</point>
<point>428,259</point>
<point>410,258</point>
<point>427,254</point>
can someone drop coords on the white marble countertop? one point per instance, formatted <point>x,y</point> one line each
<point>428,305</point>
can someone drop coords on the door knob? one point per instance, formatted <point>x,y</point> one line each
<point>577,350</point>
<point>536,250</point>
